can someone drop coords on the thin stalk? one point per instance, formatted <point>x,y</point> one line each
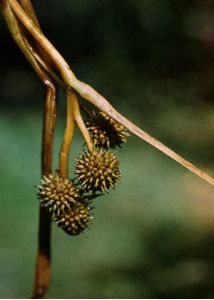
<point>58,60</point>
<point>68,135</point>
<point>81,124</point>
<point>28,8</point>
<point>48,129</point>
<point>33,46</point>
<point>43,263</point>
<point>17,35</point>
<point>49,70</point>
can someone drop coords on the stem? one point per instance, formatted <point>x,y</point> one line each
<point>59,61</point>
<point>49,70</point>
<point>18,36</point>
<point>81,125</point>
<point>68,135</point>
<point>96,99</point>
<point>43,263</point>
<point>48,129</point>
<point>43,268</point>
<point>28,8</point>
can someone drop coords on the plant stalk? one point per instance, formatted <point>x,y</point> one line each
<point>43,263</point>
<point>81,124</point>
<point>68,135</point>
<point>43,267</point>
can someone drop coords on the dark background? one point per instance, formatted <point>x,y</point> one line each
<point>153,237</point>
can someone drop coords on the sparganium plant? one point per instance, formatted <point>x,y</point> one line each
<point>65,200</point>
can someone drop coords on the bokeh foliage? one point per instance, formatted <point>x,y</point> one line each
<point>152,237</point>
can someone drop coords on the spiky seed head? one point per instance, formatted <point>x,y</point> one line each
<point>105,132</point>
<point>97,170</point>
<point>76,220</point>
<point>57,194</point>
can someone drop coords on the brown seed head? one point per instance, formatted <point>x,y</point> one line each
<point>57,194</point>
<point>105,132</point>
<point>76,220</point>
<point>97,170</point>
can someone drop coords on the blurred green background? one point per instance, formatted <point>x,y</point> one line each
<point>153,237</point>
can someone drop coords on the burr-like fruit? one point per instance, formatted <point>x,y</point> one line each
<point>105,132</point>
<point>57,194</point>
<point>76,220</point>
<point>97,170</point>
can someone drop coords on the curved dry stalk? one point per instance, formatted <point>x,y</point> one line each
<point>17,34</point>
<point>60,63</point>
<point>28,8</point>
<point>49,70</point>
<point>68,135</point>
<point>81,124</point>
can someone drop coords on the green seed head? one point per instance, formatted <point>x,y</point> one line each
<point>97,170</point>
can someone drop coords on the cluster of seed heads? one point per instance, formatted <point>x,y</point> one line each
<point>67,204</point>
<point>68,201</point>
<point>98,170</point>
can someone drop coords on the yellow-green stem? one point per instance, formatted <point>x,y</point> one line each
<point>28,8</point>
<point>16,32</point>
<point>81,125</point>
<point>68,135</point>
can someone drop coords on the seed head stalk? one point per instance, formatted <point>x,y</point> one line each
<point>68,135</point>
<point>81,125</point>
